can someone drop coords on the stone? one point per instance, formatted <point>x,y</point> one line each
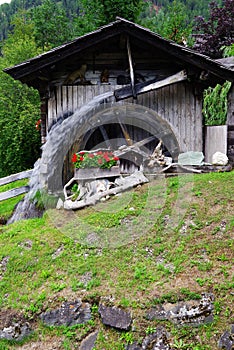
<point>191,313</point>
<point>70,314</point>
<point>157,340</point>
<point>191,158</point>
<point>226,341</point>
<point>89,342</point>
<point>219,158</point>
<point>59,204</point>
<point>115,317</point>
<point>3,266</point>
<point>134,346</point>
<point>17,331</point>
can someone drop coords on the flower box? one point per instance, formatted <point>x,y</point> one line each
<point>96,173</point>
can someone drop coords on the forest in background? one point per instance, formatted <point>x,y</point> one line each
<point>43,26</point>
<point>73,9</point>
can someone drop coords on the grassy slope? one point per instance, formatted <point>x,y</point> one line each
<point>159,259</point>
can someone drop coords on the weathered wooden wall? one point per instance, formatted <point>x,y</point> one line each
<point>175,104</point>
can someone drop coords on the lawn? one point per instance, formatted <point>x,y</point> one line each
<point>163,242</point>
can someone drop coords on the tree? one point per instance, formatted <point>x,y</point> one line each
<point>171,23</point>
<point>51,25</point>
<point>127,9</point>
<point>215,103</point>
<point>217,31</point>
<point>20,44</point>
<point>19,104</point>
<point>95,13</point>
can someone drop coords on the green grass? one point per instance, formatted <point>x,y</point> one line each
<point>168,241</point>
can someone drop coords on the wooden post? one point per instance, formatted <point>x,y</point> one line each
<point>44,112</point>
<point>131,69</point>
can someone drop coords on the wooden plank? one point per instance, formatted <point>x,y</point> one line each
<point>154,84</point>
<point>59,102</point>
<point>131,68</point>
<point>19,176</point>
<point>70,99</point>
<point>75,98</point>
<point>13,193</point>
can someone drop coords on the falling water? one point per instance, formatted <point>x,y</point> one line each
<point>59,140</point>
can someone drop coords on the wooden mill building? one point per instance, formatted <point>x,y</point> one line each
<point>155,88</point>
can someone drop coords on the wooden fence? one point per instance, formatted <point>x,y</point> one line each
<point>15,191</point>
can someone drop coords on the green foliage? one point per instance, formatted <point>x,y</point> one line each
<point>215,104</point>
<point>171,22</point>
<point>95,13</point>
<point>20,44</point>
<point>19,111</point>
<point>52,26</point>
<point>19,104</point>
<point>122,8</point>
<point>228,51</point>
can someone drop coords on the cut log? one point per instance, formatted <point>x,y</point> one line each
<point>154,84</point>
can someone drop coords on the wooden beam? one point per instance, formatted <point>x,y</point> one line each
<point>13,193</point>
<point>19,176</point>
<point>141,88</point>
<point>104,135</point>
<point>131,69</point>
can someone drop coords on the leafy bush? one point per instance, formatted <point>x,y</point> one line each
<point>215,104</point>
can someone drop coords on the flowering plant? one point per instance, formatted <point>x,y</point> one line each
<point>99,159</point>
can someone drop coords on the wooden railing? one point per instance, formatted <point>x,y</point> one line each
<point>15,191</point>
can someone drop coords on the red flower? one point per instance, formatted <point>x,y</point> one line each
<point>99,161</point>
<point>99,153</point>
<point>116,158</point>
<point>74,158</point>
<point>82,153</point>
<point>81,159</point>
<point>90,155</point>
<point>107,159</point>
<point>38,123</point>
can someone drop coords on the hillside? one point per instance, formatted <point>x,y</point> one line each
<point>142,252</point>
<point>7,11</point>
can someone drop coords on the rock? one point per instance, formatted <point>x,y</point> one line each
<point>191,158</point>
<point>219,158</point>
<point>89,342</point>
<point>3,266</point>
<point>58,252</point>
<point>70,314</point>
<point>226,340</point>
<point>134,346</point>
<point>158,313</point>
<point>59,204</point>
<point>157,340</point>
<point>192,313</point>
<point>17,331</point>
<point>115,317</point>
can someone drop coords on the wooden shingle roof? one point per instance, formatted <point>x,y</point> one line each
<point>40,67</point>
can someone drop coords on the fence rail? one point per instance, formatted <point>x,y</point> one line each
<point>15,191</point>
